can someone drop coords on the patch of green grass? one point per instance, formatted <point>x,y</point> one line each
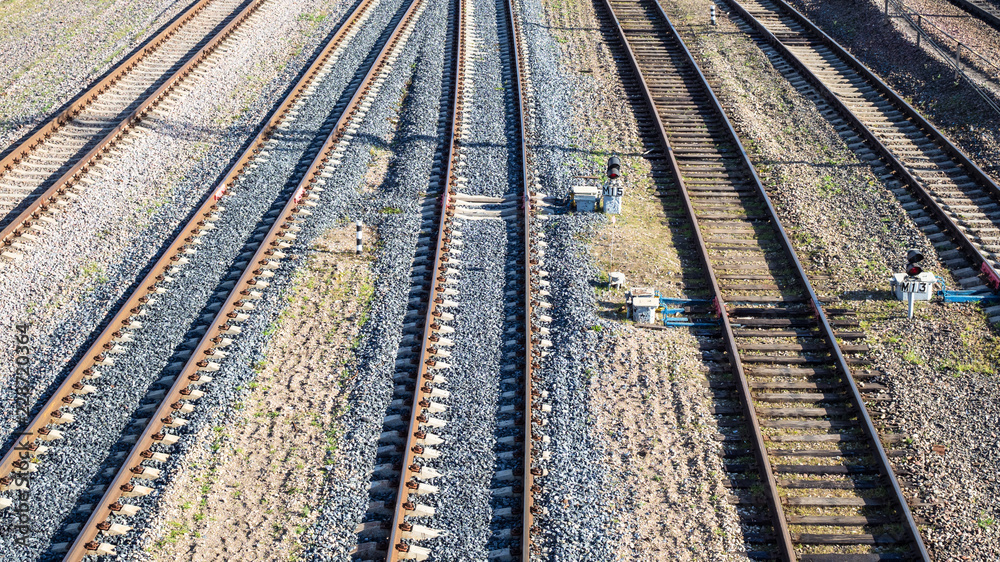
<point>984,521</point>
<point>315,18</point>
<point>828,186</point>
<point>177,530</point>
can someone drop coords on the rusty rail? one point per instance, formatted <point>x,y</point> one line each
<point>774,503</point>
<point>20,149</point>
<point>531,279</point>
<point>172,256</point>
<point>396,548</point>
<point>654,18</point>
<point>813,33</point>
<point>400,528</point>
<point>264,258</point>
<point>40,204</point>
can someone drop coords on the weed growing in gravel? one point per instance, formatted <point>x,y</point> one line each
<point>828,186</point>
<point>984,521</point>
<point>177,531</point>
<point>912,358</point>
<point>315,18</point>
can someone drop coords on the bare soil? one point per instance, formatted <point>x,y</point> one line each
<point>650,399</point>
<point>249,490</point>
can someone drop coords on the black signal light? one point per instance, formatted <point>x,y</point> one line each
<point>912,258</point>
<point>614,167</point>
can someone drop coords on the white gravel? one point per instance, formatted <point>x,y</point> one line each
<point>51,49</point>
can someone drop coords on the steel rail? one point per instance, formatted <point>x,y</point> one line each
<point>763,464</point>
<point>39,205</point>
<point>885,468</point>
<point>934,41</point>
<point>169,258</point>
<point>411,470</point>
<point>964,162</point>
<point>396,547</point>
<point>868,427</point>
<point>22,148</point>
<point>528,486</point>
<point>264,257</point>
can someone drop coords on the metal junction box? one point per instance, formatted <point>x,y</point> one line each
<point>643,303</point>
<point>644,309</point>
<point>585,198</point>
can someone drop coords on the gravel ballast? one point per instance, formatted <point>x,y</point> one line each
<point>122,386</point>
<point>928,82</point>
<point>467,465</point>
<point>630,421</point>
<point>72,276</point>
<point>600,503</point>
<point>851,233</point>
<point>578,503</point>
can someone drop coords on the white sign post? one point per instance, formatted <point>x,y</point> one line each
<point>612,194</point>
<point>912,289</point>
<point>909,300</point>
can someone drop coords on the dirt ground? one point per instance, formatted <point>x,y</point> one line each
<point>248,490</point>
<point>654,407</point>
<point>850,233</point>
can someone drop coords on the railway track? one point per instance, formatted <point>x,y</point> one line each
<point>799,445</point>
<point>399,520</point>
<point>182,385</point>
<point>39,174</point>
<point>982,9</point>
<point>262,255</point>
<point>947,195</point>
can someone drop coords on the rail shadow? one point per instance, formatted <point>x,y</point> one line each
<point>926,82</point>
